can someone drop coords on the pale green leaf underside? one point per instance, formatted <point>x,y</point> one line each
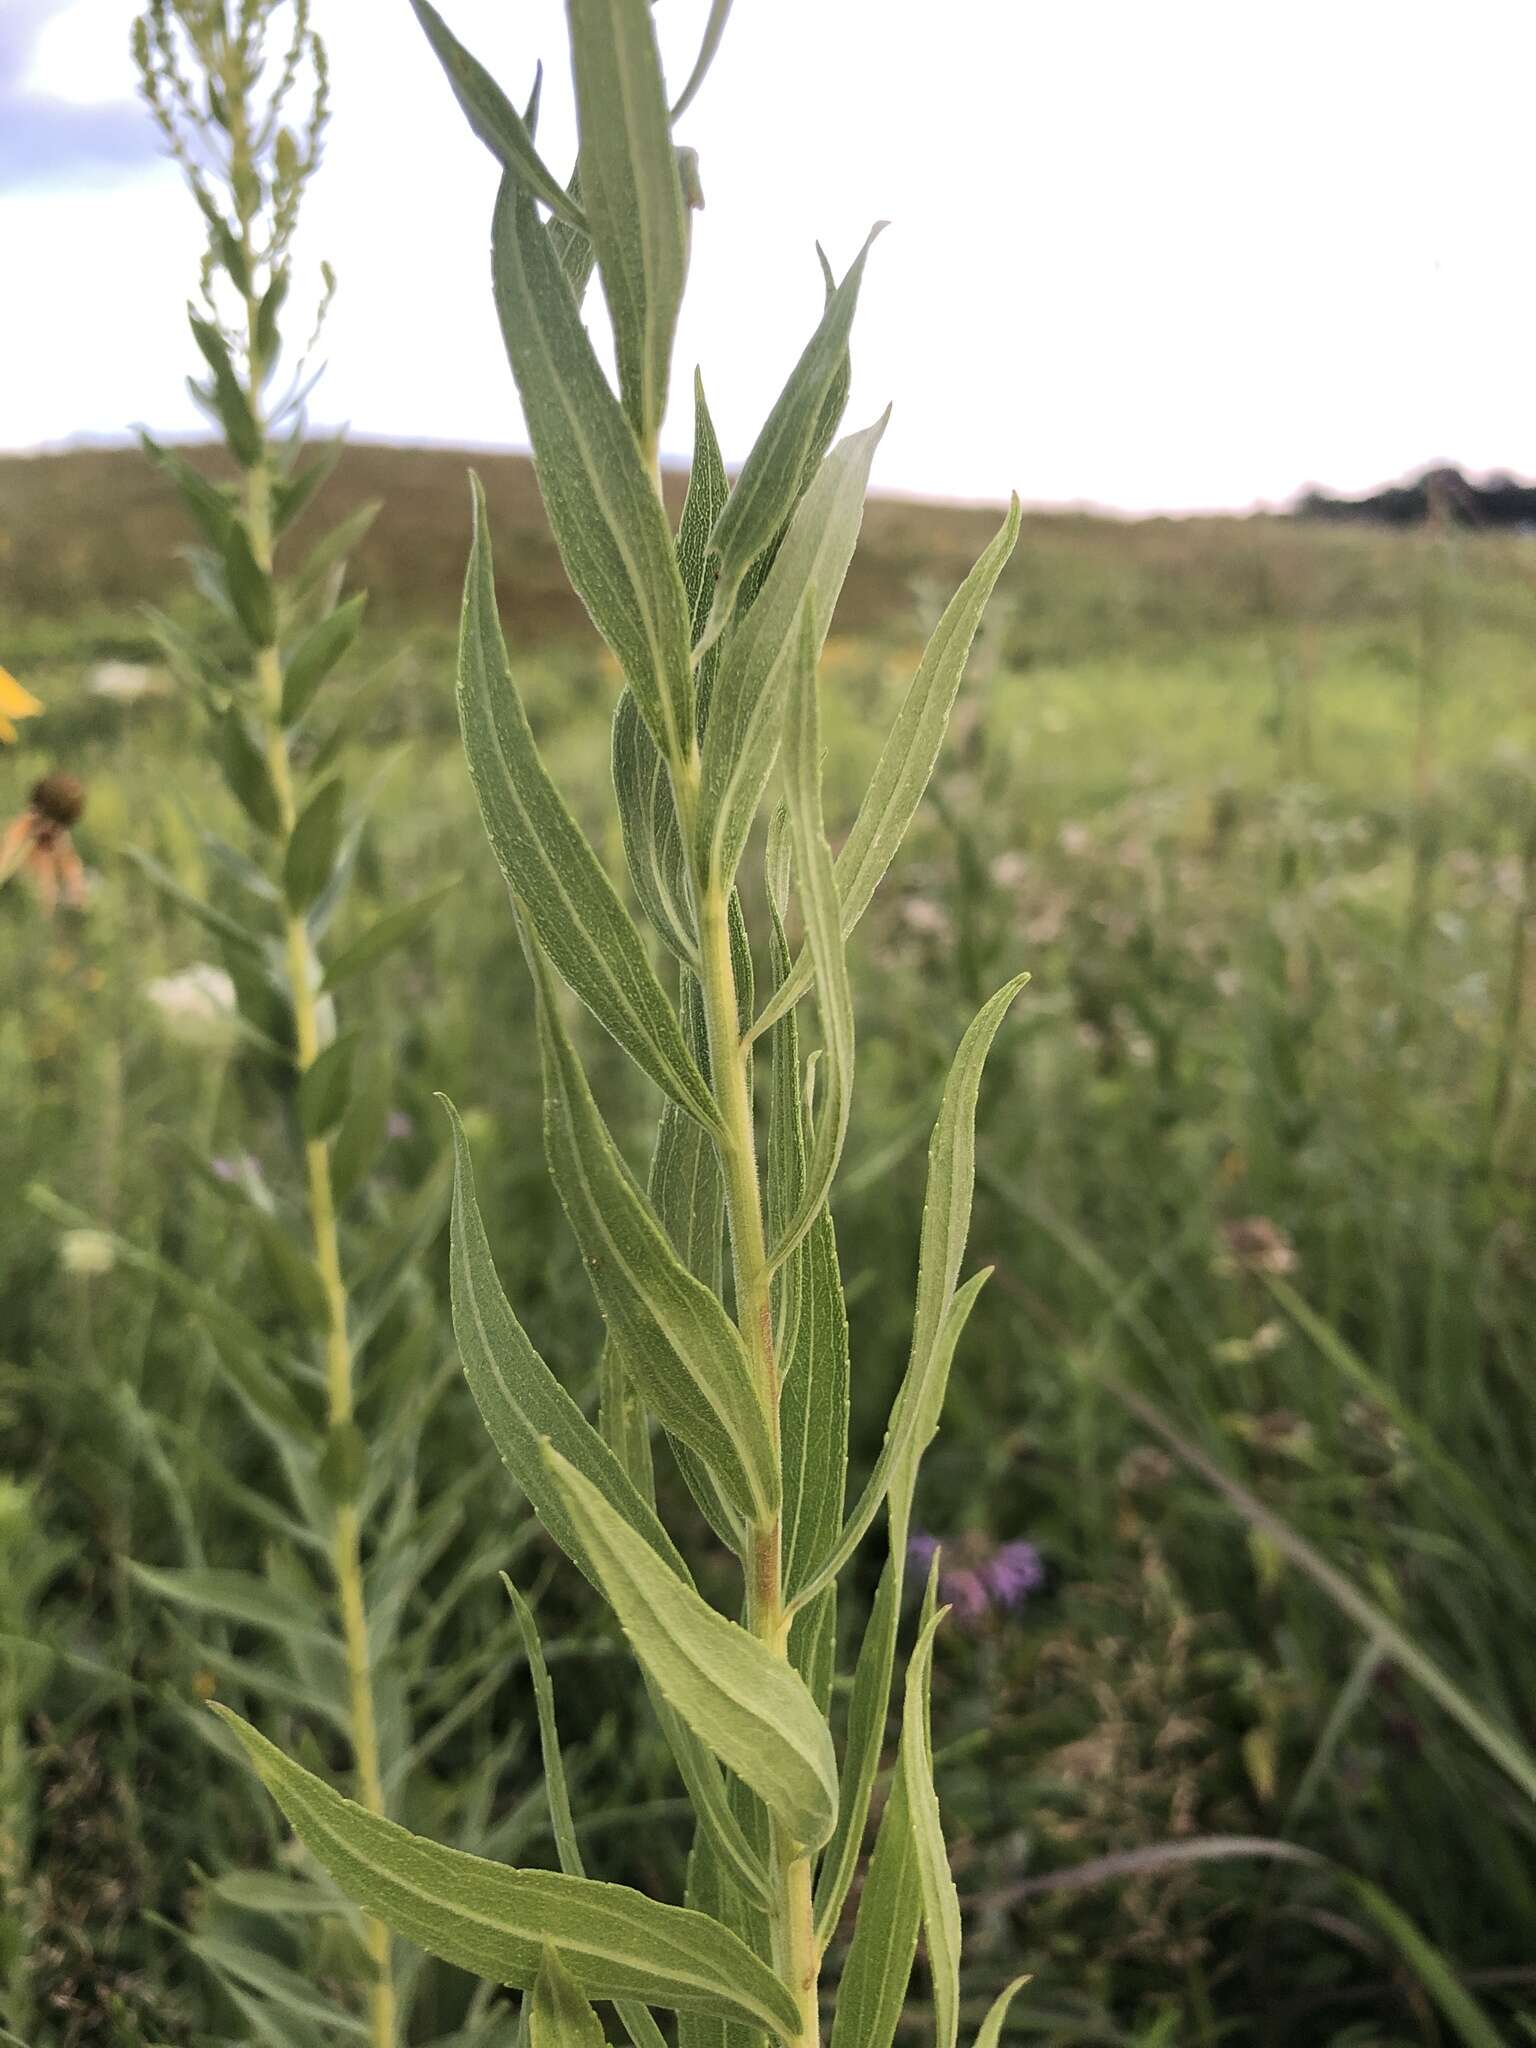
<point>550,868</point>
<point>522,1403</point>
<point>633,200</point>
<point>907,758</point>
<point>746,709</point>
<point>686,1355</point>
<point>495,1921</point>
<point>744,1703</point>
<point>604,510</point>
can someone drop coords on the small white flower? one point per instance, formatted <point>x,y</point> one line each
<point>86,1253</point>
<point>123,682</point>
<point>197,1006</point>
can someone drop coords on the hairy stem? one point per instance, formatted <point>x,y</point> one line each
<point>345,1532</point>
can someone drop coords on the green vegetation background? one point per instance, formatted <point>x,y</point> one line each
<point>1255,802</point>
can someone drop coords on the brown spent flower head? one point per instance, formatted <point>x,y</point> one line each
<point>1256,1244</point>
<point>59,799</point>
<point>38,842</point>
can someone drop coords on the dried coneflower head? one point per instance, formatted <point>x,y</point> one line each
<point>38,842</point>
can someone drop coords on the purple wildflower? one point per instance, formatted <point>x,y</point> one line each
<point>985,1578</point>
<point>1016,1571</point>
<point>400,1125</point>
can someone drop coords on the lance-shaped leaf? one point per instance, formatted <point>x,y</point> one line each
<point>906,760</point>
<point>653,841</point>
<point>249,586</point>
<point>493,117</point>
<point>811,1319</point>
<point>990,2033</point>
<point>774,472</point>
<point>632,196</point>
<point>604,509</point>
<point>210,504</point>
<point>560,2016</point>
<point>643,2030</point>
<point>686,1355</point>
<point>818,896</point>
<point>746,707</point>
<point>566,896</point>
<point>941,1311</point>
<point>941,1906</point>
<point>495,1921</point>
<point>317,654</point>
<point>873,1988</point>
<point>523,1405</point>
<point>743,1702</point>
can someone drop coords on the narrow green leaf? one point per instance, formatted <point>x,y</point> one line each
<point>990,2033</point>
<point>227,400</point>
<point>556,878</point>
<point>561,2017</point>
<point>325,1087</point>
<point>811,1324</point>
<point>331,551</point>
<point>773,473</point>
<point>209,503</point>
<point>291,494</point>
<point>941,1311</point>
<point>604,508</point>
<point>292,1272</point>
<point>249,586</point>
<point>868,1707</point>
<point>653,840</point>
<point>245,770</point>
<point>395,928</point>
<point>522,1403</point>
<point>365,1126</point>
<point>714,29</point>
<point>279,1988</point>
<point>240,1597</point>
<point>632,197</point>
<point>643,2030</point>
<point>824,938</point>
<point>494,1921</point>
<point>746,707</point>
<point>906,760</point>
<point>708,489</point>
<point>913,1422</point>
<point>493,117</point>
<point>743,1702</point>
<point>941,1906</point>
<point>313,846</point>
<point>317,654</point>
<point>686,1354</point>
<point>215,921</point>
<point>873,1988</point>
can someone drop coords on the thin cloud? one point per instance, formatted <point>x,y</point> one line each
<point>49,142</point>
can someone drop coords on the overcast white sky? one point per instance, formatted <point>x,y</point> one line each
<point>1153,254</point>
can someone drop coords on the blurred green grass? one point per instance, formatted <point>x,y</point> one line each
<point>1253,802</point>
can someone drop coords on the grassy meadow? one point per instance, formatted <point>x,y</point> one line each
<point>1255,803</point>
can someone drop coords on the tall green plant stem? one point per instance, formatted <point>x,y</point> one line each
<point>346,1533</point>
<point>792,1913</point>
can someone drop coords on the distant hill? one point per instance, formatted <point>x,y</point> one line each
<point>1439,493</point>
<point>100,525</point>
<point>88,535</point>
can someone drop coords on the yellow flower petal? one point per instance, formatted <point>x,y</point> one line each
<point>15,702</point>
